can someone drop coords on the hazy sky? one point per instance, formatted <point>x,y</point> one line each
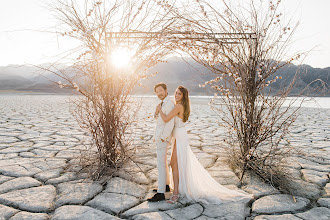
<point>23,42</point>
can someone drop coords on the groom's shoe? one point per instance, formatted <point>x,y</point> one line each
<point>167,189</point>
<point>157,197</point>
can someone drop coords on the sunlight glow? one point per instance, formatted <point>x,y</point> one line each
<point>121,57</point>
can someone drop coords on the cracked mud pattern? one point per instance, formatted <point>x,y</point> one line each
<point>39,137</point>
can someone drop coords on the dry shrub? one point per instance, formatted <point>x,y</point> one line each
<point>105,107</point>
<point>245,46</point>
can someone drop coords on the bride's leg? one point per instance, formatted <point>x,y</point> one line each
<point>175,171</point>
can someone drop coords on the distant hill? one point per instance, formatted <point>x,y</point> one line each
<point>178,72</point>
<point>175,72</point>
<point>13,81</point>
<point>190,74</point>
<point>306,75</point>
<point>24,78</point>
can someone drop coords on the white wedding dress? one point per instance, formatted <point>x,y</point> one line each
<point>195,183</point>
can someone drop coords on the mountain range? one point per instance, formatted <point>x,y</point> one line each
<point>177,71</point>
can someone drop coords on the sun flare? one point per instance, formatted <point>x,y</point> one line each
<point>121,57</point>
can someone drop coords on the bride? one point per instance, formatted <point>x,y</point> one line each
<point>188,176</point>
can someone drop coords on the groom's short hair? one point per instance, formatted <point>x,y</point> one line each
<point>160,84</point>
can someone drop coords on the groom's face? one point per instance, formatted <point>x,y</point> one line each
<point>161,92</point>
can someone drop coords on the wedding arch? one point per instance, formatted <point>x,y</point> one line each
<point>245,52</point>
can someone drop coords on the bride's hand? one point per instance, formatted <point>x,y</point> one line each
<point>159,107</point>
<point>157,110</point>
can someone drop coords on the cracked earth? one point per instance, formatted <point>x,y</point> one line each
<point>39,137</point>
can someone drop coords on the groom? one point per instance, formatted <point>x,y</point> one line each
<point>162,138</point>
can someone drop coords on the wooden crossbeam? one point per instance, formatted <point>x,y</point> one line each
<point>226,38</point>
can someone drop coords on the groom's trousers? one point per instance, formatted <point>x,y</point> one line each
<point>162,166</point>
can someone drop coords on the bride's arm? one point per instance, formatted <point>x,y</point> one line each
<point>174,112</point>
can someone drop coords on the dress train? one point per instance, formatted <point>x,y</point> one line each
<point>195,183</point>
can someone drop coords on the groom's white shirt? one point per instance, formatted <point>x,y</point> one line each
<point>164,130</point>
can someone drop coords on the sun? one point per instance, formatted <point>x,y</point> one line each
<point>121,57</point>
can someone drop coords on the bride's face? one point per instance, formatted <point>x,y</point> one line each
<point>178,95</point>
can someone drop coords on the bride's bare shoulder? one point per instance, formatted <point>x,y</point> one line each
<point>179,105</point>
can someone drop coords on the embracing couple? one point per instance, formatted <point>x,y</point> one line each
<point>187,176</point>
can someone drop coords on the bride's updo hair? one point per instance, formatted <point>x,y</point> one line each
<point>185,102</point>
